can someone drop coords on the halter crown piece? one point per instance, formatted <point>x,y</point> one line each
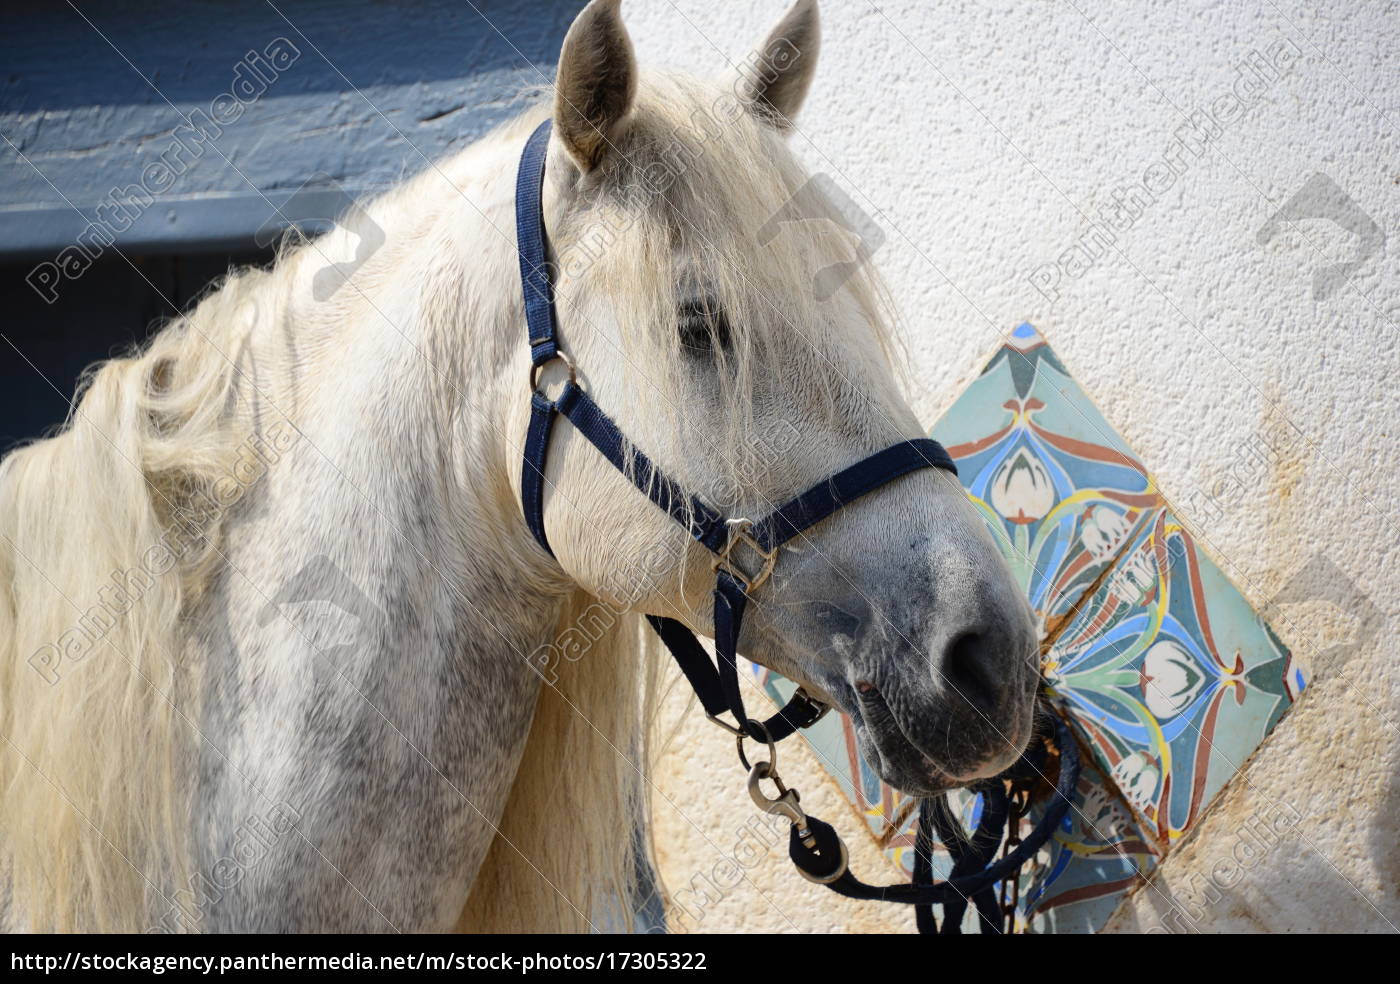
<point>815,848</point>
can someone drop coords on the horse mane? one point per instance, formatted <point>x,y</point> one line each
<point>124,507</point>
<point>567,857</point>
<point>130,497</point>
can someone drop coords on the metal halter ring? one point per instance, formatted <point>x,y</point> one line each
<point>739,737</point>
<point>558,356</point>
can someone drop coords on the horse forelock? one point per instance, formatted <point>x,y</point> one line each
<point>699,194</point>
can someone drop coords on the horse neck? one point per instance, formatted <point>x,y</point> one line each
<point>401,472</point>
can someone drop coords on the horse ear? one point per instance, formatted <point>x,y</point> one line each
<point>596,83</point>
<point>774,84</point>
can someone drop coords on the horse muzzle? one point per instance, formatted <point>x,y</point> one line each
<point>929,724</point>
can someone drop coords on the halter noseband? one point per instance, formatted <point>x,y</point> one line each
<point>814,846</point>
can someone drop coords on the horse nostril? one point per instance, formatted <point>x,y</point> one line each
<point>966,674</point>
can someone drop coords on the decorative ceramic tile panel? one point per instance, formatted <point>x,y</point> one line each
<point>1169,677</point>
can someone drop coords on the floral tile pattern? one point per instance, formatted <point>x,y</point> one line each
<point>1098,854</point>
<point>1169,677</point>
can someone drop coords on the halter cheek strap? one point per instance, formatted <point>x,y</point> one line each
<point>816,849</point>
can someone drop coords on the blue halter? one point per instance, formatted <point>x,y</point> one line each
<point>815,847</point>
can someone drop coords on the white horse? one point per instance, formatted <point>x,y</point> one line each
<point>279,651</point>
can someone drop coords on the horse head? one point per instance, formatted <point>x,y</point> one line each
<point>715,298</point>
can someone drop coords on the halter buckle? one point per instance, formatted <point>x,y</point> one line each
<point>739,534</point>
<point>822,707</point>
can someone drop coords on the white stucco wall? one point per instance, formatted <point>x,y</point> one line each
<point>985,137</point>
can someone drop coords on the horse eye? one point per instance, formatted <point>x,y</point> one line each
<point>702,326</point>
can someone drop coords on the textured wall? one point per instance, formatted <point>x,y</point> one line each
<point>131,96</point>
<point>989,140</point>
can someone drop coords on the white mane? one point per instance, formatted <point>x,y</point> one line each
<point>103,716</point>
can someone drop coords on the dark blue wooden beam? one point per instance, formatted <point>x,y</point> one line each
<point>370,91</point>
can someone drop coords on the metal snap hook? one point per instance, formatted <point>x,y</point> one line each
<point>784,805</point>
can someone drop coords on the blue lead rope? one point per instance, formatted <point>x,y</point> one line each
<point>823,859</point>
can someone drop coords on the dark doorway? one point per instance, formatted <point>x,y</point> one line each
<point>112,307</point>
